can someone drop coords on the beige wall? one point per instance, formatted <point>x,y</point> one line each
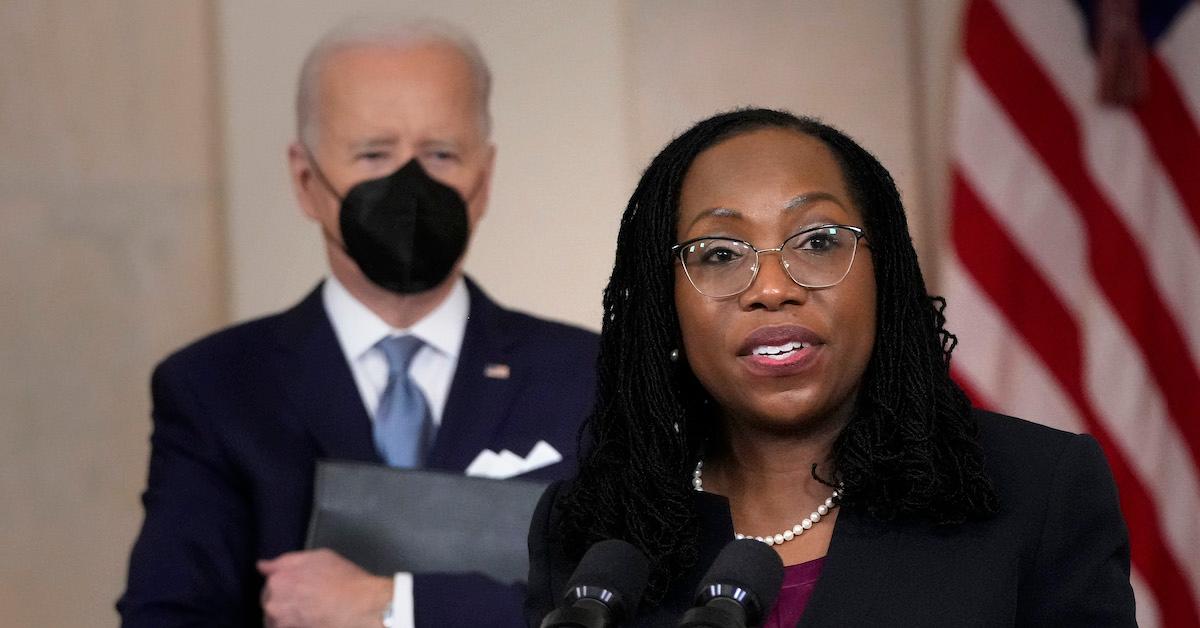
<point>110,254</point>
<point>144,198</point>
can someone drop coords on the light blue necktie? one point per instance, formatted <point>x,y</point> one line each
<point>402,419</point>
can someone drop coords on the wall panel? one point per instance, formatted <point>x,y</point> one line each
<point>110,254</point>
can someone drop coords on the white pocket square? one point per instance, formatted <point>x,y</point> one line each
<point>506,464</point>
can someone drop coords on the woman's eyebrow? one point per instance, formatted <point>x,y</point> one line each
<point>809,198</point>
<point>715,212</point>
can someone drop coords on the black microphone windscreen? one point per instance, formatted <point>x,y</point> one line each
<point>614,565</point>
<point>750,565</point>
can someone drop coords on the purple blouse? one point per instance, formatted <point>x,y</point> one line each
<point>798,584</point>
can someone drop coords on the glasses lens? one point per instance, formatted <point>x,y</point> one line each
<point>718,267</point>
<point>819,258</point>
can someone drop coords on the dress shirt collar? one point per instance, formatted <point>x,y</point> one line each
<point>358,329</point>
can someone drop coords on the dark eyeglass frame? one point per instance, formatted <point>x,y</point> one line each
<point>859,234</point>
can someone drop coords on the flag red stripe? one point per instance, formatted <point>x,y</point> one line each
<point>1037,109</point>
<point>1034,312</point>
<point>1167,123</point>
<point>988,255</point>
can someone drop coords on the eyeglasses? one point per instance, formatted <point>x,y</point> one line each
<point>818,257</point>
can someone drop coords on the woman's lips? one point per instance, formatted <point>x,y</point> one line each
<point>780,350</point>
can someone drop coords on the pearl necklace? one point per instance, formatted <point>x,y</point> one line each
<point>795,531</point>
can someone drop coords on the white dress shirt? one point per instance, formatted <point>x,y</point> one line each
<point>358,330</point>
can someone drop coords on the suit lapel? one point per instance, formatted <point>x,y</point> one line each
<point>319,385</point>
<point>860,559</point>
<point>483,387</point>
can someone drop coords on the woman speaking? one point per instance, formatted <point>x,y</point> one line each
<point>773,368</point>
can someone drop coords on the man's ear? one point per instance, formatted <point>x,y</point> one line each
<point>304,180</point>
<point>485,186</point>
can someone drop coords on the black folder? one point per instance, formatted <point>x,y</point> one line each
<point>386,520</point>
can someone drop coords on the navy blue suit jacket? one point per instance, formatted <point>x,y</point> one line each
<point>1057,553</point>
<point>241,417</point>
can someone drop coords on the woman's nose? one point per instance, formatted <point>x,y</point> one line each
<point>772,287</point>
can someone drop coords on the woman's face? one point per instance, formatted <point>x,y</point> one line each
<point>762,187</point>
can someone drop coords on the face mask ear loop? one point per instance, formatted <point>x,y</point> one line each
<point>321,174</point>
<point>328,186</point>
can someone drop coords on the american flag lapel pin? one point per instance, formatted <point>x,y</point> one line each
<point>497,371</point>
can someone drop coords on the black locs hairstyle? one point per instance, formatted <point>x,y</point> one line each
<point>911,449</point>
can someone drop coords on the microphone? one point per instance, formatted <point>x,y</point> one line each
<point>739,589</point>
<point>605,588</point>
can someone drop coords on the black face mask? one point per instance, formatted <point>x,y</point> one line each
<point>406,231</point>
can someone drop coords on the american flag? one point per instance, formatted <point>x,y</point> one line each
<point>1073,265</point>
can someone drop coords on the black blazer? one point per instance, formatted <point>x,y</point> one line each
<point>241,417</point>
<point>1056,554</point>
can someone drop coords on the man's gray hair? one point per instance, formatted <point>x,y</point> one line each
<point>390,33</point>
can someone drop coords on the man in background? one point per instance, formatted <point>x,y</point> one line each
<point>396,358</point>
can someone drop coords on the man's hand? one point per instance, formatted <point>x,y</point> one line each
<point>320,588</point>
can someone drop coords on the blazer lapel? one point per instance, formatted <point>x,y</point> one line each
<point>319,385</point>
<point>857,565</point>
<point>483,387</point>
